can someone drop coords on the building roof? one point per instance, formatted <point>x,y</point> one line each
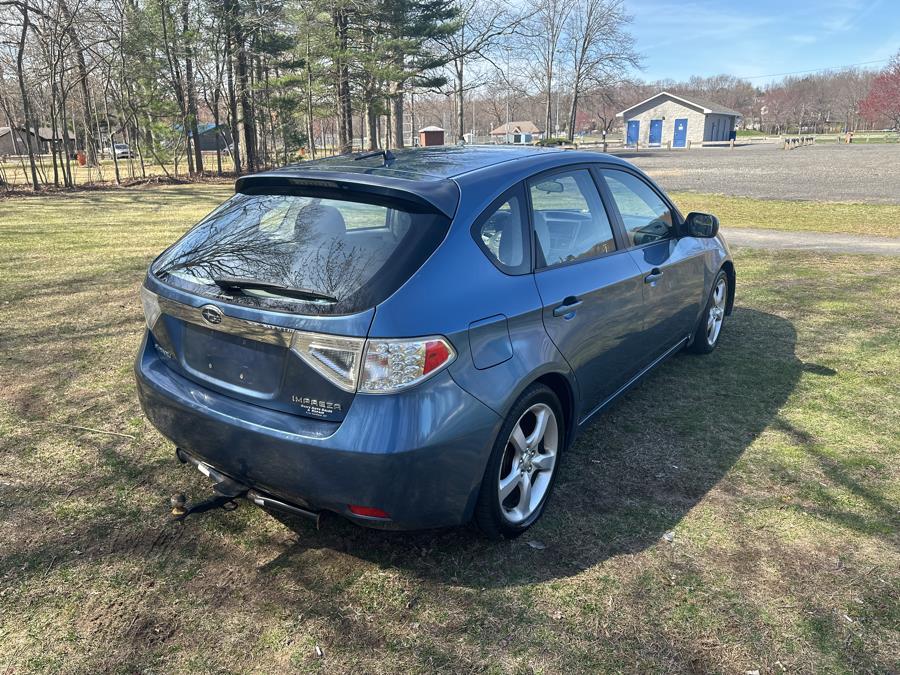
<point>431,128</point>
<point>706,107</point>
<point>517,127</point>
<point>46,134</point>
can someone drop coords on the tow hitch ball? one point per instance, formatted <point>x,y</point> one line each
<point>227,492</point>
<point>180,509</point>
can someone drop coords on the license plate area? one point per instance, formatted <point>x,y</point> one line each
<point>232,360</point>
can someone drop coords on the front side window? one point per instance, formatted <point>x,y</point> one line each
<point>646,216</point>
<point>502,235</point>
<point>570,222</point>
<point>303,253</point>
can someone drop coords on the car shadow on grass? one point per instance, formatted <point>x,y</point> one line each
<point>630,477</point>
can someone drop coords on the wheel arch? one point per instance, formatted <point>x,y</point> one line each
<point>559,384</point>
<point>728,266</point>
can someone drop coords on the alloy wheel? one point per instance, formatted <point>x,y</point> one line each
<point>716,312</point>
<point>529,460</point>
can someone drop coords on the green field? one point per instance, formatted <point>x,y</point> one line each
<point>736,512</point>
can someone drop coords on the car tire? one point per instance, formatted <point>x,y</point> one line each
<point>709,328</point>
<point>522,453</point>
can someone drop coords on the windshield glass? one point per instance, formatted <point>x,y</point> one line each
<point>304,254</point>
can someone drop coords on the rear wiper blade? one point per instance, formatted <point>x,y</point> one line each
<point>234,283</point>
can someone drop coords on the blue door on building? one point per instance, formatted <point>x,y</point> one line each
<point>680,139</point>
<point>634,130</point>
<point>656,132</point>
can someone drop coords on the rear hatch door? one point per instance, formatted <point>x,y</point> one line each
<point>270,298</point>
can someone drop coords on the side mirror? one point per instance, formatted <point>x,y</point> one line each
<point>701,225</point>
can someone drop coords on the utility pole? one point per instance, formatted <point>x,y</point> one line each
<point>506,129</point>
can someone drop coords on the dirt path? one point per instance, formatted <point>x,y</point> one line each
<point>812,241</point>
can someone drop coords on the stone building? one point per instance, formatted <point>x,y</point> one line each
<point>669,119</point>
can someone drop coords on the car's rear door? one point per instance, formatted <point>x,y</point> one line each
<point>590,287</point>
<point>672,268</point>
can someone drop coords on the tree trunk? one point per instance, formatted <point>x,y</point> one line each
<point>232,106</point>
<point>90,144</point>
<point>243,82</point>
<point>371,125</point>
<point>342,82</point>
<point>397,115</point>
<point>26,110</point>
<point>460,118</point>
<point>191,88</point>
<point>310,127</point>
<point>573,110</point>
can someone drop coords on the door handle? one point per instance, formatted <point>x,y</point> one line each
<point>568,306</point>
<point>655,275</point>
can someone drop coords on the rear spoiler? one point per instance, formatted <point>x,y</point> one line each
<point>440,195</point>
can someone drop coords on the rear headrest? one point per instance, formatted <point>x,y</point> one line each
<point>510,238</point>
<point>328,220</point>
<point>542,233</point>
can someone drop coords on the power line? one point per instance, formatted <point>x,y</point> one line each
<point>816,70</point>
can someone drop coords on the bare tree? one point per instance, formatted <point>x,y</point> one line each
<point>481,27</point>
<point>602,49</point>
<point>543,36</point>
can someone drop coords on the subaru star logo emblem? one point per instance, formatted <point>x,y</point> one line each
<point>211,314</point>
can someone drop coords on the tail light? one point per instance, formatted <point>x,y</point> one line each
<point>393,365</point>
<point>337,358</point>
<point>150,301</point>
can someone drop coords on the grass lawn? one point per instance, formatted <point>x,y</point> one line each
<point>773,465</point>
<point>802,216</point>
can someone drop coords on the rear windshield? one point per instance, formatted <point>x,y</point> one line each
<point>303,253</point>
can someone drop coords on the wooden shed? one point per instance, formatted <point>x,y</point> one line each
<point>431,136</point>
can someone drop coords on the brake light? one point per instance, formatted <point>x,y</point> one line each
<point>393,365</point>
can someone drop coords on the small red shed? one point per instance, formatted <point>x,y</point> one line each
<point>431,136</point>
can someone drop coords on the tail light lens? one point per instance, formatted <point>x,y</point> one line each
<point>392,365</point>
<point>368,511</point>
<point>337,358</point>
<point>150,301</point>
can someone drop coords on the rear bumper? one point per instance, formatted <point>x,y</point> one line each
<point>419,455</point>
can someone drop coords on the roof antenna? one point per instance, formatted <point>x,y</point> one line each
<point>387,155</point>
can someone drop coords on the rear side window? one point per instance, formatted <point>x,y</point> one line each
<point>303,253</point>
<point>570,222</point>
<point>501,232</point>
<point>646,216</point>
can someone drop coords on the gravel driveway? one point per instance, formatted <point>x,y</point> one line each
<point>857,172</point>
<point>811,241</point>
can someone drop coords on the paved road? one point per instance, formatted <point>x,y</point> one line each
<point>811,241</point>
<point>832,173</point>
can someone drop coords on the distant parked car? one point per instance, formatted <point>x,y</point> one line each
<point>414,340</point>
<point>121,151</point>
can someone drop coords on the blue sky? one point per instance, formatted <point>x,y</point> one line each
<point>762,37</point>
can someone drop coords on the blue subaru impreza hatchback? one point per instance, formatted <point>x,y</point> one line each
<point>414,340</point>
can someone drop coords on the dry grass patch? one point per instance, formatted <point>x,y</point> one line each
<point>775,463</point>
